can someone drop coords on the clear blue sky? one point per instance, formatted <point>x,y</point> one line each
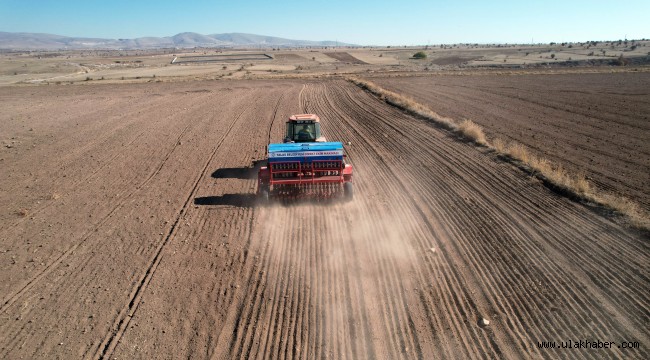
<point>364,22</point>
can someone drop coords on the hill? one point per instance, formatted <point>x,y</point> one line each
<point>39,41</point>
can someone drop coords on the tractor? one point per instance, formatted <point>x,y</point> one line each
<point>305,165</point>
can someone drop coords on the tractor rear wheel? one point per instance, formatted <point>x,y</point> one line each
<point>348,191</point>
<point>264,196</point>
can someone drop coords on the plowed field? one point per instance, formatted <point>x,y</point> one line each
<point>596,124</point>
<point>129,229</point>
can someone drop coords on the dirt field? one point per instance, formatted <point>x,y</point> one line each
<point>128,229</point>
<point>157,65</point>
<point>344,57</point>
<point>592,123</point>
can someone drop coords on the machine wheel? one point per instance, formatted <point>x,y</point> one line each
<point>348,191</point>
<point>264,196</point>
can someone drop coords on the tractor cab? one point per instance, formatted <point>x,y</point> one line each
<point>303,128</point>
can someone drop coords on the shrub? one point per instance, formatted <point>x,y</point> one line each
<point>472,131</point>
<point>620,61</point>
<point>519,152</point>
<point>420,55</point>
<point>499,146</point>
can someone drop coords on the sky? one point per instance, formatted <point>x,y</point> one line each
<point>363,22</point>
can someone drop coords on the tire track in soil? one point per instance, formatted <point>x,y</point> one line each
<point>276,325</point>
<point>108,345</point>
<point>84,237</point>
<point>70,158</point>
<point>81,291</point>
<point>13,297</point>
<point>258,284</point>
<point>208,322</point>
<point>241,343</point>
<point>583,277</point>
<point>274,116</point>
<point>390,145</point>
<point>388,174</point>
<point>322,308</point>
<point>359,280</point>
<point>60,254</point>
<point>462,281</point>
<point>345,116</point>
<point>388,284</point>
<point>240,316</point>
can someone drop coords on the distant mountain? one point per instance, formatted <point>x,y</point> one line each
<point>35,41</point>
<point>256,40</point>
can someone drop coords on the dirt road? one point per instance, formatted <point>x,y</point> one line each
<point>129,229</point>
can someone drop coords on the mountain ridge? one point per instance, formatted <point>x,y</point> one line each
<point>44,41</point>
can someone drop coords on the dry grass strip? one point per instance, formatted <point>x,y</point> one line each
<point>576,185</point>
<point>405,103</point>
<point>472,131</point>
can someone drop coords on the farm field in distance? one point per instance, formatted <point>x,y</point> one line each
<point>129,225</point>
<point>159,65</point>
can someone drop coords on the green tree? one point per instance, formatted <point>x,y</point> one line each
<point>420,55</point>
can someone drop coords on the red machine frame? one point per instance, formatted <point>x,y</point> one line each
<point>304,175</point>
<point>307,175</point>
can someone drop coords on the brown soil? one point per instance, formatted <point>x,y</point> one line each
<point>289,57</point>
<point>344,57</point>
<point>591,123</point>
<point>142,237</point>
<point>453,60</point>
<point>222,58</point>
